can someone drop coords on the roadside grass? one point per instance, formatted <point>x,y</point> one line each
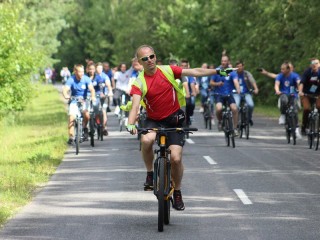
<point>32,146</point>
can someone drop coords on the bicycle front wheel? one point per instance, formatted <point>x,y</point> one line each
<point>78,132</point>
<point>311,133</point>
<point>226,130</point>
<point>317,136</point>
<point>160,194</point>
<point>247,127</point>
<point>92,130</point>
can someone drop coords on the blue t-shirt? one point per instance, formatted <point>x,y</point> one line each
<point>288,84</point>
<point>79,88</point>
<point>241,79</point>
<point>190,81</point>
<point>108,73</point>
<point>226,88</point>
<point>204,82</point>
<point>96,81</point>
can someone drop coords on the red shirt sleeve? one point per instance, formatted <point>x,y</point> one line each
<point>135,90</point>
<point>176,71</point>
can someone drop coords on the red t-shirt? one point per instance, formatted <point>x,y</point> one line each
<point>161,98</point>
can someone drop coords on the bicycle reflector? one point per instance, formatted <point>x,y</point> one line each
<point>162,140</point>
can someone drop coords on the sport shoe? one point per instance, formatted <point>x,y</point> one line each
<point>236,133</point>
<point>251,122</point>
<point>219,126</point>
<point>148,185</point>
<point>117,110</point>
<point>105,132</point>
<point>298,135</point>
<point>212,121</point>
<point>282,119</point>
<point>85,134</point>
<point>70,141</point>
<point>178,203</point>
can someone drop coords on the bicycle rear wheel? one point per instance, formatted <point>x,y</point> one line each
<point>160,194</point>
<point>77,131</point>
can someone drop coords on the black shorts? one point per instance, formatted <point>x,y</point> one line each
<point>174,138</point>
<point>224,99</point>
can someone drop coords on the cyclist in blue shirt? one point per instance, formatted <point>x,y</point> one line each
<point>286,83</point>
<point>77,86</point>
<point>190,102</point>
<point>106,95</point>
<point>205,89</point>
<point>223,93</point>
<point>247,85</point>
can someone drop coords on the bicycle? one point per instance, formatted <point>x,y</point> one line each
<point>313,125</point>
<point>163,187</point>
<point>227,121</point>
<point>291,119</point>
<point>207,113</point>
<point>77,123</point>
<point>244,126</point>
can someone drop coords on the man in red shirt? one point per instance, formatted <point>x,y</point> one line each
<point>162,102</point>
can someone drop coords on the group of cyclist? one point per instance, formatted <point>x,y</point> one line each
<point>164,90</point>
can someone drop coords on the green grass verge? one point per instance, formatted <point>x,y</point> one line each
<point>32,146</point>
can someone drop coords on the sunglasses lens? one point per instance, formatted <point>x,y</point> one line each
<point>151,56</point>
<point>144,59</point>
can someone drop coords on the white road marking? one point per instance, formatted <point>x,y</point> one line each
<point>242,196</point>
<point>189,141</point>
<point>209,160</point>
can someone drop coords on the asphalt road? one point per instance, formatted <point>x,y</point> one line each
<point>262,189</point>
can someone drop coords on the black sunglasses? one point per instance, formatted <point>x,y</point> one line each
<point>147,57</point>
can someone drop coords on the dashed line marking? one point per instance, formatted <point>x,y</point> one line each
<point>242,196</point>
<point>189,141</point>
<point>210,160</point>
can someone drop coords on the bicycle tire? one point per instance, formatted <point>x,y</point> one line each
<point>101,126</point>
<point>167,175</point>
<point>247,126</point>
<point>160,194</point>
<point>317,136</point>
<point>92,119</point>
<point>311,133</point>
<point>210,122</point>
<point>241,127</point>
<point>293,128</point>
<point>167,212</point>
<point>231,132</point>
<point>226,130</point>
<point>77,126</point>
